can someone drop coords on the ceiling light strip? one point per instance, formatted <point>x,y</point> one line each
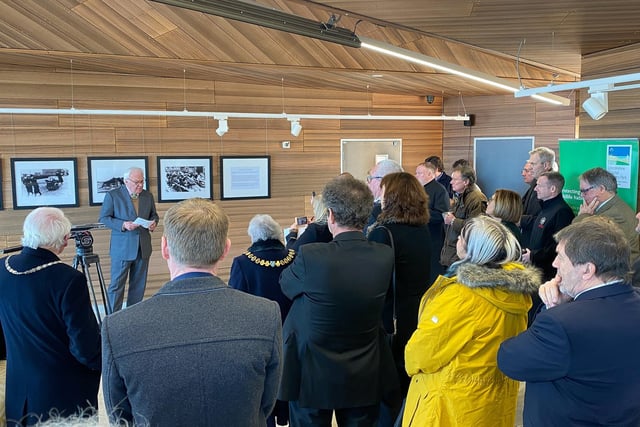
<point>419,58</point>
<point>220,115</point>
<point>625,78</point>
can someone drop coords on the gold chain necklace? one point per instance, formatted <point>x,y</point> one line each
<point>31,270</point>
<point>266,263</point>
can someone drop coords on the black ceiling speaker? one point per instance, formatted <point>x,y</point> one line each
<point>471,121</point>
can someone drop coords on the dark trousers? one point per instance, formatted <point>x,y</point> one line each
<point>363,416</point>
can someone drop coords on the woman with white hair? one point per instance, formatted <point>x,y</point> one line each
<point>451,357</point>
<point>257,272</point>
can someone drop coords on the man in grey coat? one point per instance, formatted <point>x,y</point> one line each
<point>130,246</point>
<point>197,352</point>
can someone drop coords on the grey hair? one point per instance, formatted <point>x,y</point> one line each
<point>350,201</point>
<point>546,155</point>
<point>264,227</point>
<point>319,210</point>
<point>600,176</point>
<point>45,227</point>
<point>127,173</point>
<point>488,242</point>
<point>387,166</point>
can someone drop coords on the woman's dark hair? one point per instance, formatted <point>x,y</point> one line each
<point>404,200</point>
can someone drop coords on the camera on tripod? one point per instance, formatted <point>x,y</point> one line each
<point>84,238</point>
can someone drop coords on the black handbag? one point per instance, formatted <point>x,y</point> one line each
<point>390,335</point>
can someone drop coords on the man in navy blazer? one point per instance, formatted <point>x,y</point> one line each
<point>130,247</point>
<point>336,355</point>
<point>52,336</point>
<point>580,356</point>
<point>197,353</point>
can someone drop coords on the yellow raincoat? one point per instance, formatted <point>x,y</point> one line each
<point>451,357</point>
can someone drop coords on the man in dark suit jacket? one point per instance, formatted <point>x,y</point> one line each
<point>441,175</point>
<point>197,353</point>
<point>531,205</point>
<point>580,356</point>
<point>52,336</point>
<point>438,204</point>
<point>130,247</point>
<point>336,356</point>
<point>554,216</point>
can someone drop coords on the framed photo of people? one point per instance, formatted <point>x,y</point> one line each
<point>44,182</point>
<point>245,177</point>
<point>107,173</point>
<point>181,178</point>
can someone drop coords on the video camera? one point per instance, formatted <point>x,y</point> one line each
<point>83,237</point>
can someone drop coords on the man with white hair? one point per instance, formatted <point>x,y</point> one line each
<point>376,173</point>
<point>51,332</point>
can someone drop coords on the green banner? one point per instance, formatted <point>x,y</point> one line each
<point>618,156</point>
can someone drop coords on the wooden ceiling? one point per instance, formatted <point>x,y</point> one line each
<point>538,42</point>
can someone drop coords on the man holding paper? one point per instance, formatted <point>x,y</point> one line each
<point>130,212</point>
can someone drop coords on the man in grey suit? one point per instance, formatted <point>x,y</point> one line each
<point>130,247</point>
<point>197,353</point>
<point>336,354</point>
<point>599,189</point>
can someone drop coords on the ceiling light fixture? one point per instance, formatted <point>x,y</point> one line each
<point>296,127</point>
<point>223,127</point>
<point>419,58</point>
<point>271,18</point>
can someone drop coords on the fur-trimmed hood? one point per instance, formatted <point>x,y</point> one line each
<point>513,276</point>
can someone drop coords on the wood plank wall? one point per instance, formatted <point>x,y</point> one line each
<point>313,159</point>
<point>624,106</point>
<point>504,116</point>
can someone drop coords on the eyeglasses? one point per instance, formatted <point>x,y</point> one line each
<point>371,178</point>
<point>525,170</point>
<point>584,191</point>
<point>135,182</point>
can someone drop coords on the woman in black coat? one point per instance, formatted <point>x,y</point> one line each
<point>403,220</point>
<point>257,272</point>
<point>317,229</point>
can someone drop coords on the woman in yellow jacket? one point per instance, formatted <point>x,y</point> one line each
<point>451,357</point>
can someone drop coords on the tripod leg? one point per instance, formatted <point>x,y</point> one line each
<point>87,273</point>
<point>105,301</point>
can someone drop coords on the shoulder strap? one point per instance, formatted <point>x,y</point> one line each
<point>393,279</point>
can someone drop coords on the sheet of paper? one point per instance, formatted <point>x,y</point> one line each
<point>143,222</point>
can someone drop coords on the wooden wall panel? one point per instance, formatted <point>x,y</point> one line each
<point>505,116</point>
<point>312,160</point>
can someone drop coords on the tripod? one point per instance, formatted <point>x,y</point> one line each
<point>83,259</point>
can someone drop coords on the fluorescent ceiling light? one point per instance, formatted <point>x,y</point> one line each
<point>419,58</point>
<point>268,17</point>
<point>220,115</point>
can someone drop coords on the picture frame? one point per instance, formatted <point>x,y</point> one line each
<point>184,177</point>
<point>107,173</point>
<point>44,182</point>
<point>245,177</point>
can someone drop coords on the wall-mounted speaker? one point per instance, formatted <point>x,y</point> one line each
<point>471,121</point>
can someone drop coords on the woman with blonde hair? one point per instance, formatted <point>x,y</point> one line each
<point>316,231</point>
<point>506,206</point>
<point>451,357</point>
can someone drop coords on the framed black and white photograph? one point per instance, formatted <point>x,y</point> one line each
<point>44,182</point>
<point>245,177</point>
<point>107,173</point>
<point>181,178</point>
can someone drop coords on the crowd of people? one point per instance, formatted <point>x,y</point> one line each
<point>408,300</point>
